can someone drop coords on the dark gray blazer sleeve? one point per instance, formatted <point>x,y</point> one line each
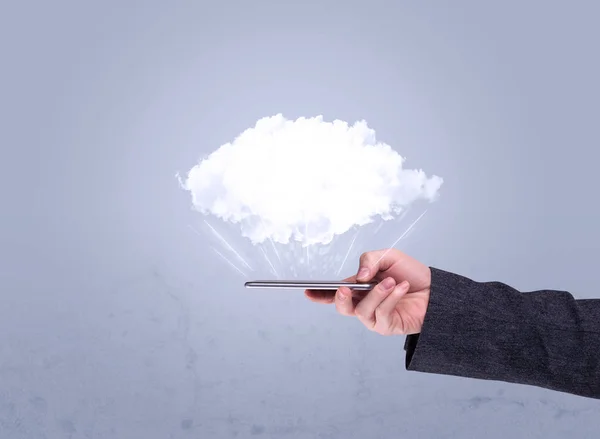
<point>492,331</point>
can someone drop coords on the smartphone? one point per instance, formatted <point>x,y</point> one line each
<point>310,285</point>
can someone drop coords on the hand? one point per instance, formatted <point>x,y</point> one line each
<point>397,305</point>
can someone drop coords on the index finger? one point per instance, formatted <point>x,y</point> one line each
<point>376,261</point>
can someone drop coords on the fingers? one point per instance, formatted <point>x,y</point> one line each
<point>375,261</point>
<point>346,299</point>
<point>385,323</point>
<point>365,310</point>
<point>318,296</point>
<point>343,301</point>
<point>325,297</point>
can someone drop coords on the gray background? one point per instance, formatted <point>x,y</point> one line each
<point>115,321</point>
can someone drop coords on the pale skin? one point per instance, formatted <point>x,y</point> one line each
<point>397,305</point>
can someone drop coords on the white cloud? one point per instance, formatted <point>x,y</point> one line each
<point>305,180</point>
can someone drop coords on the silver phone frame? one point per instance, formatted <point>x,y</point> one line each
<point>309,285</point>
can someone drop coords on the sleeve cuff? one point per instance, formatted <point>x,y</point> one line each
<point>409,346</point>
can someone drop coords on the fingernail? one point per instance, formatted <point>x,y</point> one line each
<point>341,296</point>
<point>388,283</point>
<point>363,272</point>
<point>404,285</point>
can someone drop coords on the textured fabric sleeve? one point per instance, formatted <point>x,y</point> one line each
<point>492,331</point>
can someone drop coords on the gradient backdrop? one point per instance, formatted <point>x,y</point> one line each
<point>117,322</point>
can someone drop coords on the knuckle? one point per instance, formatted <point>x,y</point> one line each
<point>381,291</point>
<point>387,331</point>
<point>365,258</point>
<point>393,251</point>
<point>361,314</point>
<point>381,328</point>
